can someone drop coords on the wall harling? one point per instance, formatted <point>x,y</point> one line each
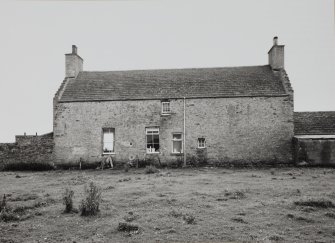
<point>248,129</point>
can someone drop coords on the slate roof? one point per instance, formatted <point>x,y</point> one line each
<point>314,123</point>
<point>173,83</point>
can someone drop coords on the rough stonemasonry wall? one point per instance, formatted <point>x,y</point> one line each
<point>315,151</point>
<point>236,129</point>
<point>28,149</point>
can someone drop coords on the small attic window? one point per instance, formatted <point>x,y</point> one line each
<point>166,109</point>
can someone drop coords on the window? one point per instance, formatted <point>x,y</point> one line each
<point>166,107</point>
<point>108,140</point>
<point>177,143</point>
<point>201,143</point>
<point>152,134</point>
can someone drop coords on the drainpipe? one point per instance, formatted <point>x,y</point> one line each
<point>184,132</point>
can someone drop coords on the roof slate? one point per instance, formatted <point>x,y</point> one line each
<point>173,83</point>
<point>314,123</point>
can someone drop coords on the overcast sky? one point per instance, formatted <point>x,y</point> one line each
<point>150,34</point>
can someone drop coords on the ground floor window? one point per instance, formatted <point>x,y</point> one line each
<point>177,143</point>
<point>152,139</point>
<point>201,143</point>
<point>108,140</point>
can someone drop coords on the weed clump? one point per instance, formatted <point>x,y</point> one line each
<point>151,169</point>
<point>189,219</point>
<point>90,204</point>
<point>68,200</point>
<point>6,214</point>
<point>316,203</point>
<point>127,227</point>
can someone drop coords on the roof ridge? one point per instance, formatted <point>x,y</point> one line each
<point>174,69</point>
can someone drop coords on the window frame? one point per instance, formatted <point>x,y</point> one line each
<point>108,130</point>
<point>178,140</point>
<point>151,129</point>
<point>204,143</point>
<point>169,105</point>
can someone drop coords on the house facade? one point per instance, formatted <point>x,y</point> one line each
<point>227,114</point>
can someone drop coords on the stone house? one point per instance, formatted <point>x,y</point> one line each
<point>228,114</point>
<point>314,137</point>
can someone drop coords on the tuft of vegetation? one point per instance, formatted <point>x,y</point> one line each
<point>235,195</point>
<point>68,200</point>
<point>126,167</point>
<point>189,219</point>
<point>276,238</point>
<point>90,204</point>
<point>150,169</point>
<point>28,166</point>
<point>130,217</point>
<point>3,203</point>
<point>127,227</point>
<point>330,215</point>
<point>175,214</point>
<point>316,203</point>
<point>239,220</point>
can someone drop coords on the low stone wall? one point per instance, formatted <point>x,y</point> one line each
<point>27,149</point>
<point>314,151</point>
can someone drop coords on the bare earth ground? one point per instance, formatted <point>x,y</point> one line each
<point>234,205</point>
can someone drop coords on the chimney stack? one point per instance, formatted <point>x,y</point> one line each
<point>276,55</point>
<point>73,63</point>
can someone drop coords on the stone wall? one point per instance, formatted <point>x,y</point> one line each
<point>27,149</point>
<point>314,151</point>
<point>245,129</point>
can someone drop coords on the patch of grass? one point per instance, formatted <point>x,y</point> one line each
<point>317,203</point>
<point>90,204</point>
<point>330,215</point>
<point>188,218</point>
<point>23,197</point>
<point>7,216</point>
<point>150,169</point>
<point>300,218</point>
<point>175,214</point>
<point>130,217</point>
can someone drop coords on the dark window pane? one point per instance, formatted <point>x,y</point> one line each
<point>156,138</point>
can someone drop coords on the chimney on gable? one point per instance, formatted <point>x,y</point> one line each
<point>73,63</point>
<point>276,55</point>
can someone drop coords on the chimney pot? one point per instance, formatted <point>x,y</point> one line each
<point>275,41</point>
<point>74,49</point>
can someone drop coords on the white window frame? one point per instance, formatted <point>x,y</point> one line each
<point>178,140</point>
<point>202,145</point>
<point>151,131</point>
<point>168,105</point>
<point>108,130</point>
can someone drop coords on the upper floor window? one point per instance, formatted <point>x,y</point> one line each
<point>201,143</point>
<point>166,107</point>
<point>152,139</point>
<point>108,140</point>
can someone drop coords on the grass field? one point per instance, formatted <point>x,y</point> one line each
<point>175,205</point>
